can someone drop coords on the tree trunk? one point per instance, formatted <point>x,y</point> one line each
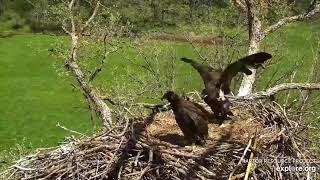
<point>254,26</point>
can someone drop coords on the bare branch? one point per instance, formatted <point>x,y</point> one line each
<point>91,17</point>
<point>203,58</point>
<point>287,20</point>
<point>100,106</point>
<point>71,5</point>
<point>102,64</point>
<point>239,4</point>
<point>153,107</point>
<point>283,87</point>
<point>30,2</point>
<point>96,72</point>
<point>70,130</point>
<point>65,30</point>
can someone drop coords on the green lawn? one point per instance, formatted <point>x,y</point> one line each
<point>33,98</point>
<point>299,43</point>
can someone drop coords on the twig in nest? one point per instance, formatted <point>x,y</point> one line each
<point>146,169</point>
<point>250,166</point>
<point>241,159</point>
<point>105,171</point>
<point>70,130</point>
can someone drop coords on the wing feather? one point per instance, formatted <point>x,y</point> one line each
<point>241,65</point>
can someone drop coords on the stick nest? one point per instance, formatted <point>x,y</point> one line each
<point>258,142</point>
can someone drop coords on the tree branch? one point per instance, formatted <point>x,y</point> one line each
<point>240,4</point>
<point>312,12</point>
<point>70,130</point>
<point>91,17</point>
<point>102,64</point>
<point>153,107</point>
<point>100,106</point>
<point>197,51</point>
<point>71,5</point>
<point>30,2</point>
<point>283,87</point>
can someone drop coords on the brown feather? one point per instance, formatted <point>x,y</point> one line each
<point>191,119</point>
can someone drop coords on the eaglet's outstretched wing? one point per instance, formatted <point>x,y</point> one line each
<point>242,65</point>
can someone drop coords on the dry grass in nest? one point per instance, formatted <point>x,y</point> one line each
<point>239,128</point>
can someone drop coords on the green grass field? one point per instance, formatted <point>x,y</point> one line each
<point>33,98</point>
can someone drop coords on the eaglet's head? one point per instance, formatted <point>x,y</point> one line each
<point>170,96</point>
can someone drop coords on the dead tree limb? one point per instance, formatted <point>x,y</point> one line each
<point>283,87</point>
<point>288,20</point>
<point>153,107</point>
<point>239,4</point>
<point>99,105</point>
<point>95,11</point>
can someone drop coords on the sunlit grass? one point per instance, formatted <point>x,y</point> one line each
<point>33,98</point>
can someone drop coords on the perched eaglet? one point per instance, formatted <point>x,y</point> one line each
<point>191,118</point>
<point>217,82</point>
